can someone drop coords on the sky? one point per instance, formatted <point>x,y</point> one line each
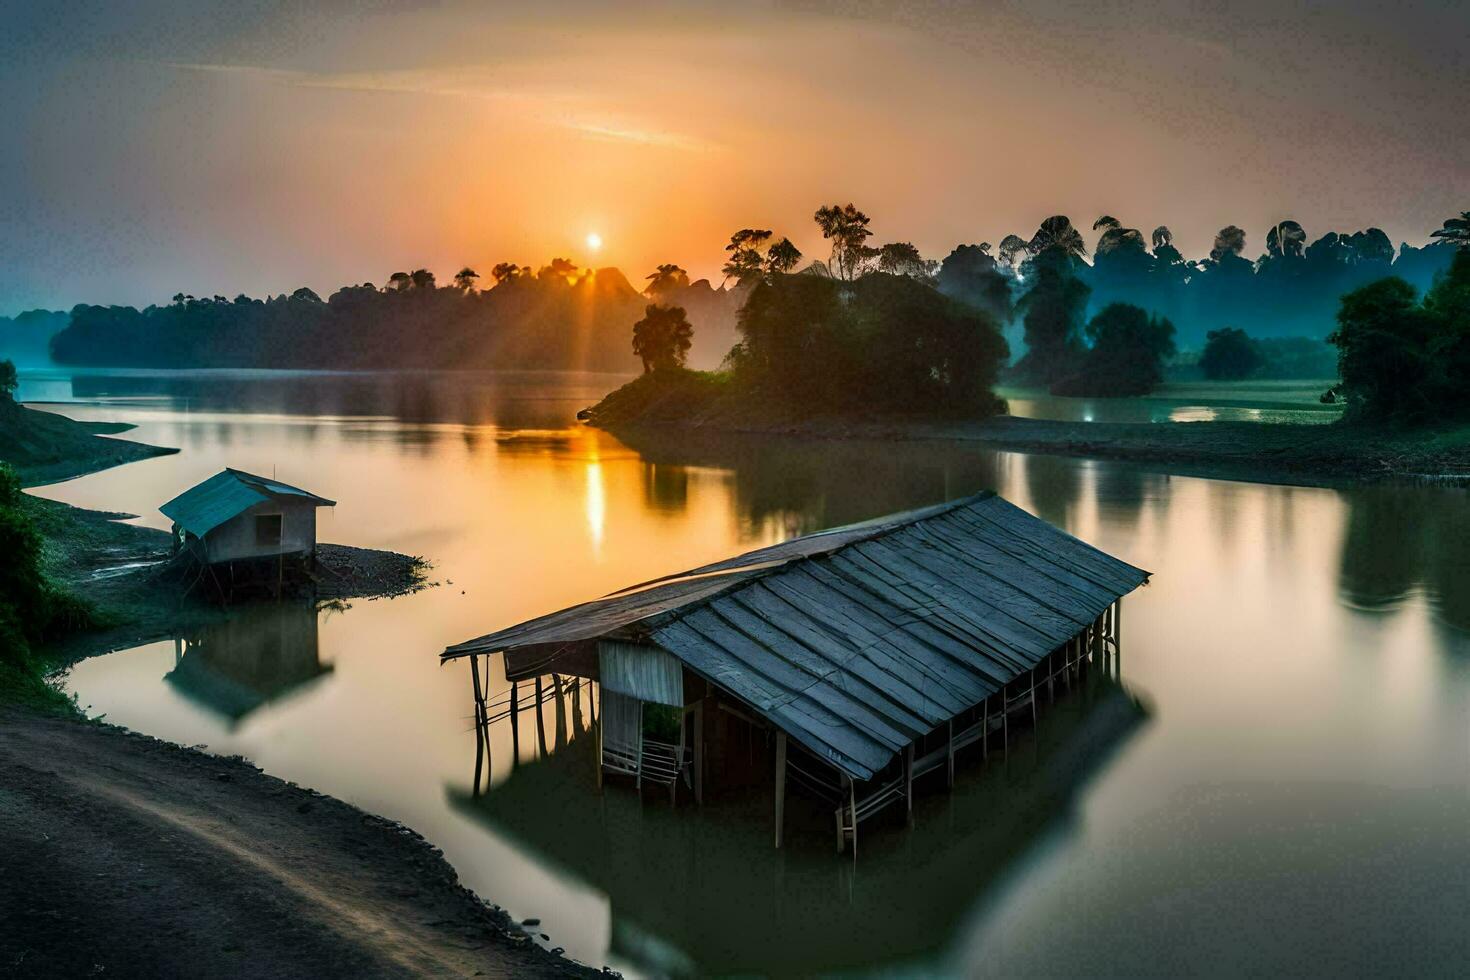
<point>219,148</point>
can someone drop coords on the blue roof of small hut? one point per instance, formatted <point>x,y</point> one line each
<point>858,640</point>
<point>227,494</point>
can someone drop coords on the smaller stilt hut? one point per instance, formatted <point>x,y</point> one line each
<point>872,652</point>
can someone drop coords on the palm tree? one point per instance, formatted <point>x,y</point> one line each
<point>1057,235</point>
<point>1456,231</point>
<point>1286,239</point>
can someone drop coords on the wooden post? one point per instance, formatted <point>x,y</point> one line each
<point>1033,697</point>
<point>598,725</point>
<point>699,752</point>
<point>780,785</point>
<point>951,753</point>
<point>638,777</point>
<point>908,779</point>
<point>985,729</point>
<point>540,722</point>
<point>852,806</point>
<point>515,725</point>
<point>1005,722</point>
<point>479,730</point>
<point>1051,673</point>
<point>1118,640</point>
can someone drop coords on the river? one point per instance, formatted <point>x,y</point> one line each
<point>1281,786</point>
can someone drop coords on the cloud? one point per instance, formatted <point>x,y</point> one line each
<point>558,108</point>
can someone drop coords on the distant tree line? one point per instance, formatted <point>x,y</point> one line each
<point>558,317</point>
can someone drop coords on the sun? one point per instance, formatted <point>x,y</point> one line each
<point>594,241</point>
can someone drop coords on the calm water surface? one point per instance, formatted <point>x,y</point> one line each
<point>1283,784</point>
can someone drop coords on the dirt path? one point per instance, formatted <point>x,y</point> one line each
<point>124,856</point>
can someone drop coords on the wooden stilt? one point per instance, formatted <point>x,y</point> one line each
<point>985,729</point>
<point>950,754</point>
<point>699,752</point>
<point>515,725</point>
<point>1033,697</point>
<point>540,723</point>
<point>780,785</point>
<point>479,722</point>
<point>1118,641</point>
<point>852,808</point>
<point>1005,723</point>
<point>908,779</point>
<point>638,778</point>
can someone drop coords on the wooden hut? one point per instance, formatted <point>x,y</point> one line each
<point>872,652</point>
<point>238,516</point>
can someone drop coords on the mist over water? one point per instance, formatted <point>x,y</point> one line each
<point>1281,780</point>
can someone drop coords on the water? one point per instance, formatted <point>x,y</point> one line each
<point>1283,786</point>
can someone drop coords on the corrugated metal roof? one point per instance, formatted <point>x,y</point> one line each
<point>228,493</point>
<point>856,641</point>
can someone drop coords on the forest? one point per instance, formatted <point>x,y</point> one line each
<point>1042,290</point>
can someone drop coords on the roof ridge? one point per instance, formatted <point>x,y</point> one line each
<point>881,526</point>
<point>775,568</point>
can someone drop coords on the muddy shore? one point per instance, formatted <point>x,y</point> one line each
<point>123,855</point>
<point>126,856</point>
<point>693,411</point>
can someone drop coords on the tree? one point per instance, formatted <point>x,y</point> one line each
<point>1056,234</point>
<point>302,295</point>
<point>9,380</point>
<point>1456,231</point>
<point>971,275</point>
<point>1163,237</point>
<point>1053,308</point>
<point>903,259</point>
<point>666,278</point>
<point>1229,241</point>
<point>1383,356</point>
<point>559,269</point>
<point>747,259</point>
<point>465,278</point>
<point>1011,247</point>
<point>1286,239</point>
<point>1106,221</point>
<point>1129,346</point>
<point>662,338</point>
<point>506,271</point>
<point>847,229</point>
<point>1230,355</point>
<point>398,282</point>
<point>782,257</point>
<point>422,279</point>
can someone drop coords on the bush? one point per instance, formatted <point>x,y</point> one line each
<point>1126,357</point>
<point>1230,355</point>
<point>1383,340</point>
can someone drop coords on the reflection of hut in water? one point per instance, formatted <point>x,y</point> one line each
<point>260,655</point>
<point>867,655</point>
<point>257,529</point>
<point>709,896</point>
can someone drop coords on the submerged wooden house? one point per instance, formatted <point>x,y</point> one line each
<point>238,516</point>
<point>871,653</point>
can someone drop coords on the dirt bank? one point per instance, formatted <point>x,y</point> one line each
<point>47,448</point>
<point>124,856</point>
<point>121,569</point>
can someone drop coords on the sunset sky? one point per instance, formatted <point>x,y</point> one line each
<point>254,147</point>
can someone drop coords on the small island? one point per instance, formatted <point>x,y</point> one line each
<point>886,353</point>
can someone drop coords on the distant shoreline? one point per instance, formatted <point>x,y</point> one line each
<point>648,414</point>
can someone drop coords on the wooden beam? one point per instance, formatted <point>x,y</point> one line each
<point>479,720</point>
<point>780,785</point>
